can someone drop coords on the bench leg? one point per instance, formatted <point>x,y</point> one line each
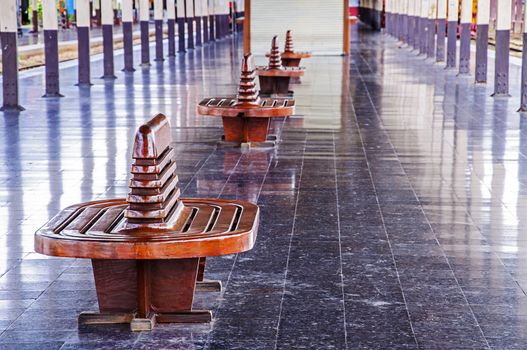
<point>245,130</point>
<point>291,62</point>
<point>89,317</point>
<point>139,324</point>
<point>203,285</point>
<point>274,86</point>
<point>208,286</point>
<point>145,292</point>
<point>194,316</point>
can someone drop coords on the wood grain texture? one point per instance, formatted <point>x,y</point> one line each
<point>290,57</point>
<point>146,249</point>
<point>246,116</point>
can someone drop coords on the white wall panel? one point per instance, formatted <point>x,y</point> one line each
<point>316,25</point>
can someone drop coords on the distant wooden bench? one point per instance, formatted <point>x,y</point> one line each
<point>291,58</point>
<point>247,116</point>
<point>148,250</point>
<point>275,78</point>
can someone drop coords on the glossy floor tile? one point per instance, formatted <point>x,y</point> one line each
<point>392,210</point>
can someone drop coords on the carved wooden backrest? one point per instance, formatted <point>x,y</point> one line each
<point>289,42</point>
<point>154,195</point>
<point>275,61</point>
<point>247,93</point>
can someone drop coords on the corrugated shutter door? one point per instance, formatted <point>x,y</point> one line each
<point>316,24</point>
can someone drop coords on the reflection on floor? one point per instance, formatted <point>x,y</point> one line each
<point>391,211</point>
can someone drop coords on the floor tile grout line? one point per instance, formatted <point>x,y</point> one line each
<point>424,214</point>
<point>432,229</point>
<point>29,306</point>
<point>289,247</point>
<point>473,171</point>
<point>210,336</point>
<point>354,115</point>
<point>236,256</point>
<point>482,110</point>
<point>340,245</point>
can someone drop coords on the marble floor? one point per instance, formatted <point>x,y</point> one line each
<point>391,212</point>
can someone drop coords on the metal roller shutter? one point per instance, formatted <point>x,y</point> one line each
<point>316,24</point>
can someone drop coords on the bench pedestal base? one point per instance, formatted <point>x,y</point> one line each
<point>138,324</point>
<point>270,142</point>
<point>208,286</point>
<point>291,62</point>
<point>245,130</point>
<point>275,86</point>
<point>146,292</point>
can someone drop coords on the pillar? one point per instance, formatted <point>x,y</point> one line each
<point>128,40</point>
<point>189,8</point>
<point>441,30</point>
<point>218,23</point>
<point>136,11</point>
<point>225,17</point>
<point>212,19</point>
<point>34,16</point>
<point>396,19</point>
<point>400,19</point>
<point>416,8</point>
<point>97,7</point>
<point>107,38</point>
<point>171,24</point>
<point>8,40</point>
<point>51,48</point>
<point>115,7</point>
<point>158,22</point>
<point>83,42</point>
<point>181,24</point>
<point>493,5</point>
<point>205,18</point>
<point>423,35</point>
<point>523,98</point>
<point>388,17</point>
<point>377,9</point>
<point>464,47</point>
<point>517,15</point>
<point>144,18</point>
<point>431,28</point>
<point>482,40</point>
<point>393,23</point>
<point>411,22</point>
<point>451,53</point>
<point>408,24</point>
<point>198,14</point>
<point>501,68</point>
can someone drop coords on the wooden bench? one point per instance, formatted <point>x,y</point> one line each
<point>291,58</point>
<point>246,117</point>
<point>148,250</point>
<point>275,78</point>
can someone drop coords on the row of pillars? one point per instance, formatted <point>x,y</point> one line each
<point>431,27</point>
<point>210,24</point>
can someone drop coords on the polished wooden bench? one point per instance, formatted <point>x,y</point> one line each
<point>290,57</point>
<point>148,250</point>
<point>275,78</point>
<point>246,117</point>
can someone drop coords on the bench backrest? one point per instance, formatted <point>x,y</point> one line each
<point>154,194</point>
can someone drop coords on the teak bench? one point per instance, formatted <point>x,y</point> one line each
<point>275,78</point>
<point>291,58</point>
<point>148,250</point>
<point>246,117</point>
